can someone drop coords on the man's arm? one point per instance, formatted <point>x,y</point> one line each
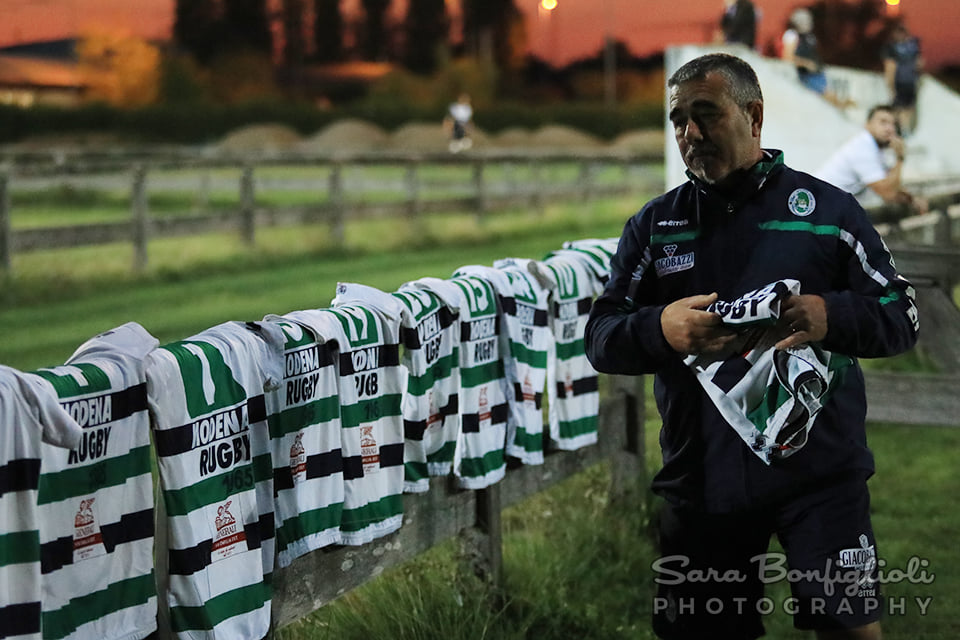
<point>890,188</point>
<point>871,311</point>
<point>631,332</point>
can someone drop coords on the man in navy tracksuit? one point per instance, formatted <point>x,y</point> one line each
<point>745,220</point>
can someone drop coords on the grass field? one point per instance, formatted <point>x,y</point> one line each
<point>574,566</point>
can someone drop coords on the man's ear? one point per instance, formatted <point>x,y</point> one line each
<point>755,110</point>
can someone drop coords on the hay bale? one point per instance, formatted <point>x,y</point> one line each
<point>349,134</point>
<point>267,137</point>
<point>562,137</point>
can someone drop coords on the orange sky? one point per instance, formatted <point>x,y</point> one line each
<point>573,30</point>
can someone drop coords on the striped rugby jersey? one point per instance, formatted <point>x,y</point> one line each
<point>207,404</point>
<point>96,500</point>
<point>304,419</point>
<point>370,383</point>
<point>771,398</point>
<point>479,458</point>
<point>29,415</point>
<point>572,382</point>
<point>431,407</point>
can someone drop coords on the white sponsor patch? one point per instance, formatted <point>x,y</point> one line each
<point>673,263</point>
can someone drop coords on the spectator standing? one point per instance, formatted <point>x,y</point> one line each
<point>869,164</point>
<point>902,66</point>
<point>457,123</point>
<point>743,221</point>
<point>739,23</point>
<point>799,47</point>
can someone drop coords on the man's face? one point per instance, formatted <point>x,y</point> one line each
<point>883,127</point>
<point>715,136</point>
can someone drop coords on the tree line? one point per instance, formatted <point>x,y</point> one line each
<point>296,32</point>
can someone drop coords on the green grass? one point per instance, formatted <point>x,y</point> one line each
<point>576,567</point>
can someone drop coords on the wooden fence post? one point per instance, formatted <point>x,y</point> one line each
<point>481,546</point>
<point>480,188</point>
<point>628,467</point>
<point>248,213</point>
<point>6,239</point>
<point>585,180</point>
<point>412,181</point>
<point>141,217</point>
<point>335,190</point>
<point>537,191</point>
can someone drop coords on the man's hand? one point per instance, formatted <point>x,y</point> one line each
<point>803,319</point>
<point>689,329</point>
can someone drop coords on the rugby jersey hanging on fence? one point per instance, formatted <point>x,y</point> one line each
<point>595,253</point>
<point>29,415</point>
<point>479,459</point>
<point>430,406</point>
<point>370,382</point>
<point>206,398</point>
<point>96,500</point>
<point>528,341</point>
<point>304,419</point>
<point>572,383</point>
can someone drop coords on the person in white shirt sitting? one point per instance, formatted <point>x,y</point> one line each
<point>869,164</point>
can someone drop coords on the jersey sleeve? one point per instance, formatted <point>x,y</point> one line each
<point>872,312</point>
<point>623,334</point>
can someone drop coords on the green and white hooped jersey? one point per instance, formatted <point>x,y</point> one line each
<point>525,309</point>
<point>370,382</point>
<point>595,252</point>
<point>430,406</point>
<point>479,458</point>
<point>30,414</point>
<point>770,397</point>
<point>304,419</point>
<point>207,404</point>
<point>572,382</point>
<point>96,500</point>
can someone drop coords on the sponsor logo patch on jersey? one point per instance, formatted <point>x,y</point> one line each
<point>673,223</point>
<point>801,202</point>
<point>673,263</point>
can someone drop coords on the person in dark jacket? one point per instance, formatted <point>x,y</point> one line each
<point>749,291</point>
<point>739,23</point>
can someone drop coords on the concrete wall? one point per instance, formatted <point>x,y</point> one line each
<point>808,128</point>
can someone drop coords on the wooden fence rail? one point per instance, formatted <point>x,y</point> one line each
<point>336,201</point>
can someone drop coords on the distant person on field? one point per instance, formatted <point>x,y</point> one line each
<point>800,48</point>
<point>869,164</point>
<point>457,123</point>
<point>902,66</point>
<point>739,23</point>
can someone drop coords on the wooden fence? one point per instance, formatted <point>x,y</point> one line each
<point>337,199</point>
<point>927,253</point>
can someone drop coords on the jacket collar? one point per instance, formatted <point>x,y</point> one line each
<point>750,184</point>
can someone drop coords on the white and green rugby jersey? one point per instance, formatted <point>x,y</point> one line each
<point>479,459</point>
<point>96,500</point>
<point>30,414</point>
<point>572,384</point>
<point>596,254</point>
<point>206,398</point>
<point>371,382</point>
<point>304,418</point>
<point>431,405</point>
<point>525,342</point>
<point>770,397</point>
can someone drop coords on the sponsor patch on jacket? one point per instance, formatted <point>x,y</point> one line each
<point>672,263</point>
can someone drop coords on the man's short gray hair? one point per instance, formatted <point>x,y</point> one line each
<point>740,76</point>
